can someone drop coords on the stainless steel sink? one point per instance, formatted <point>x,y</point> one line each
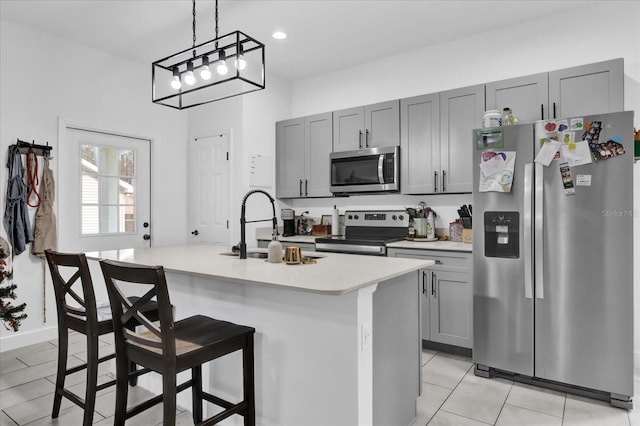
<point>252,254</point>
<point>264,255</point>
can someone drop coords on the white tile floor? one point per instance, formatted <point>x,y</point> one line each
<point>452,395</point>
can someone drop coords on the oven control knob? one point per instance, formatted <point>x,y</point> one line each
<point>356,217</point>
<point>394,217</point>
<point>350,217</point>
<point>401,217</point>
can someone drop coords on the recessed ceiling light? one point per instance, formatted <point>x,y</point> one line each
<point>279,35</point>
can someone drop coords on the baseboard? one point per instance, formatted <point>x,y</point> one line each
<point>19,340</point>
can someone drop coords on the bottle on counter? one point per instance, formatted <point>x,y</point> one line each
<point>431,226</point>
<point>507,117</point>
<point>274,250</point>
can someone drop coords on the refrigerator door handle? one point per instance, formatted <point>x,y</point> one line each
<point>538,230</point>
<point>528,241</point>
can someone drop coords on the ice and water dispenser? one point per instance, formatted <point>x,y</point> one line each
<point>502,234</point>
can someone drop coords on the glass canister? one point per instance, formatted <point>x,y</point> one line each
<point>455,231</point>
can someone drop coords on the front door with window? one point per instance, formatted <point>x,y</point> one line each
<point>104,195</point>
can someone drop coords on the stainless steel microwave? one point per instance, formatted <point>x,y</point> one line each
<point>366,170</point>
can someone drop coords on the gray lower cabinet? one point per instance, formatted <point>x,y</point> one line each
<point>447,290</point>
<point>303,146</point>
<point>369,126</point>
<point>588,89</point>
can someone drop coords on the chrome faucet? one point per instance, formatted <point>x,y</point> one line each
<point>243,221</point>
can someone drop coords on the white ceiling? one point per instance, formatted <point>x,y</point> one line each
<point>324,35</point>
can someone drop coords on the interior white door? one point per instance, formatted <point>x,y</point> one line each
<point>209,204</point>
<point>104,191</point>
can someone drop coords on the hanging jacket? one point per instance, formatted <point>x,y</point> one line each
<point>16,216</point>
<point>45,234</point>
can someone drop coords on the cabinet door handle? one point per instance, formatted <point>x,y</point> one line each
<point>554,110</point>
<point>306,188</point>
<point>424,282</point>
<point>435,181</point>
<point>366,139</point>
<point>301,187</point>
<point>433,284</point>
<point>444,178</point>
<point>541,111</point>
<point>360,139</point>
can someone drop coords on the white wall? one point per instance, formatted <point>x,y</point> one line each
<point>604,31</point>
<point>43,78</point>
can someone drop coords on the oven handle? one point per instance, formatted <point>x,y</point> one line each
<point>380,168</point>
<point>351,248</point>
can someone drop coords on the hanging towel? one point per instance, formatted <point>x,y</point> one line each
<point>45,234</point>
<point>16,216</point>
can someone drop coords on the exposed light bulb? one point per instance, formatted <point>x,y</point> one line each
<point>240,63</point>
<point>222,68</point>
<point>189,78</point>
<point>205,73</point>
<point>175,82</point>
<point>279,35</point>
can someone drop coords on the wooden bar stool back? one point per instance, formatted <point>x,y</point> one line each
<point>77,310</point>
<point>171,347</point>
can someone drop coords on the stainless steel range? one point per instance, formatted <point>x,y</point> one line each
<point>367,232</point>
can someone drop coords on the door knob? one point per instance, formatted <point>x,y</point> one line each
<point>146,237</point>
<point>196,233</point>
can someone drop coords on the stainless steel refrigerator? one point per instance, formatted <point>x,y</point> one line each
<point>553,255</point>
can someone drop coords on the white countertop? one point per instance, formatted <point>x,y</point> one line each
<point>333,274</point>
<point>432,245</point>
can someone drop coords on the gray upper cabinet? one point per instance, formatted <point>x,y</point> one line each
<point>528,97</point>
<point>436,143</point>
<point>588,89</point>
<point>318,138</point>
<point>370,126</point>
<point>303,146</point>
<point>461,111</point>
<point>420,144</point>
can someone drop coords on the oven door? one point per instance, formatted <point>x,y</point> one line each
<point>367,170</point>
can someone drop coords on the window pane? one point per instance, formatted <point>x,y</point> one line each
<point>89,188</point>
<point>109,219</point>
<point>127,163</point>
<point>128,219</point>
<point>109,190</point>
<point>108,187</point>
<point>90,220</point>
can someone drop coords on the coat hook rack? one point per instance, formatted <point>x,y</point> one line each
<point>41,150</point>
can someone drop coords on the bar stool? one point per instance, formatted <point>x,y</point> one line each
<point>173,347</point>
<point>83,317</point>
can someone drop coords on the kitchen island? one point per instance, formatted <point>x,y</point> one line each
<point>337,342</point>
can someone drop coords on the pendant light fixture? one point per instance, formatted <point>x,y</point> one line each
<point>227,66</point>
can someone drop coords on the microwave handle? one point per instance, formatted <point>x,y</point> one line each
<point>380,168</point>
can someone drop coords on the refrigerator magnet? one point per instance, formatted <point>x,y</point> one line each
<point>550,127</point>
<point>583,180</point>
<point>567,180</point>
<point>577,124</point>
<point>563,125</point>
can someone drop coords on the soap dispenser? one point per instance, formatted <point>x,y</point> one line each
<point>274,250</point>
